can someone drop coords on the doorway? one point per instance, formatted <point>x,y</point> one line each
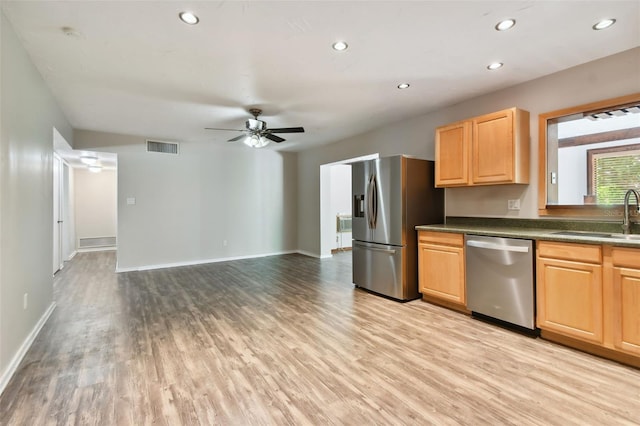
<point>63,204</point>
<point>335,203</point>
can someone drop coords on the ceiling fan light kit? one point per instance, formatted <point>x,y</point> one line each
<point>256,134</point>
<point>256,141</point>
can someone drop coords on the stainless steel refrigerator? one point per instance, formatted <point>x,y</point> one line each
<point>390,197</point>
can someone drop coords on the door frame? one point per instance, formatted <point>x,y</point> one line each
<point>58,212</point>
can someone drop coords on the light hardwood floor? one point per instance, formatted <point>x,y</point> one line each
<point>288,340</point>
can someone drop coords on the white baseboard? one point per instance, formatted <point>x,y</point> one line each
<point>317,256</point>
<point>17,358</point>
<point>72,255</point>
<point>199,262</point>
<point>88,249</point>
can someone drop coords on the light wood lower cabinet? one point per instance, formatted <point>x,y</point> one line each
<point>591,294</point>
<point>569,289</point>
<point>625,300</point>
<point>441,270</point>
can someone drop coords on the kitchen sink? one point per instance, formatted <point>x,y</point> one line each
<point>633,237</point>
<point>583,234</point>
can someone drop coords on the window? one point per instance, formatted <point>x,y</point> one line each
<point>589,157</point>
<point>611,171</point>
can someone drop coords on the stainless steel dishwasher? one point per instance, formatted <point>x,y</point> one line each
<point>500,279</point>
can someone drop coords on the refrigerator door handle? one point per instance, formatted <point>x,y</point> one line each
<point>369,206</point>
<point>372,202</point>
<point>376,249</point>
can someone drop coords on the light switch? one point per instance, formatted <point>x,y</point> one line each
<point>131,201</point>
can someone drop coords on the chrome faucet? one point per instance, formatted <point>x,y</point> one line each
<point>626,225</point>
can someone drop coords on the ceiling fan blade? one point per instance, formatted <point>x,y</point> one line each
<point>237,138</point>
<point>276,139</point>
<point>287,130</point>
<point>231,130</point>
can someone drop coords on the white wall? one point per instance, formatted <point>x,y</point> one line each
<point>188,205</point>
<point>68,200</point>
<point>609,77</point>
<point>340,177</point>
<point>95,203</point>
<point>28,113</point>
<point>572,174</point>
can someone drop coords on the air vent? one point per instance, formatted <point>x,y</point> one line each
<point>164,147</point>
<point>96,242</point>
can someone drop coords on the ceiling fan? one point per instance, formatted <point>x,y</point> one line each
<point>256,134</point>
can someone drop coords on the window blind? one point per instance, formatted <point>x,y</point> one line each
<point>614,175</point>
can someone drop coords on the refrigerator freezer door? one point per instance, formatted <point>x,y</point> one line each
<point>378,268</point>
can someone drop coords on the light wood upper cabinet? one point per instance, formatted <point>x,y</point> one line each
<point>452,154</point>
<point>486,150</point>
<point>625,301</point>
<point>441,268</point>
<point>569,292</point>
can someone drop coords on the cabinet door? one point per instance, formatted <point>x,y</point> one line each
<point>493,148</point>
<point>441,272</point>
<point>452,154</point>
<point>569,298</point>
<point>626,309</point>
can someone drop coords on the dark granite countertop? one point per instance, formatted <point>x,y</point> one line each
<point>531,229</point>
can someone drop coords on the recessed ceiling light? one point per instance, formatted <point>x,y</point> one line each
<point>505,25</point>
<point>495,66</point>
<point>403,86</point>
<point>605,23</point>
<point>189,18</point>
<point>340,45</point>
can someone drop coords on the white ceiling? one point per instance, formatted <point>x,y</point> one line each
<point>133,67</point>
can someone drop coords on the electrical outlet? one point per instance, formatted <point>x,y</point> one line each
<point>224,243</point>
<point>513,204</point>
<point>25,301</point>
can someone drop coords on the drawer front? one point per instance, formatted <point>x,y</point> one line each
<point>570,251</point>
<point>444,238</point>
<point>625,257</point>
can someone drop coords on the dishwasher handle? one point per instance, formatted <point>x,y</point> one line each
<point>501,247</point>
